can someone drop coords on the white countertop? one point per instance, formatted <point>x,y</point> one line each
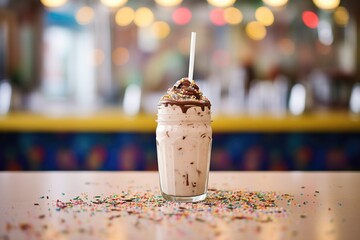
<point>315,205</point>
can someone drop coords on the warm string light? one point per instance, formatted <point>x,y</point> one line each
<point>327,4</point>
<point>341,16</point>
<point>113,3</point>
<point>124,16</point>
<point>53,3</point>
<point>168,3</point>
<point>233,15</point>
<point>221,3</point>
<point>264,15</point>
<point>84,15</point>
<point>255,30</point>
<point>160,29</point>
<point>143,17</point>
<point>275,3</point>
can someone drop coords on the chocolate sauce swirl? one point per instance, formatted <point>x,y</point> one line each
<point>185,94</point>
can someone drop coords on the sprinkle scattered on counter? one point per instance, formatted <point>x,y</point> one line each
<point>254,207</point>
<point>227,205</point>
<point>25,226</point>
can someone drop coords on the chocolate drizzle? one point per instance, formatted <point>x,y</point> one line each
<point>185,94</point>
<point>185,105</point>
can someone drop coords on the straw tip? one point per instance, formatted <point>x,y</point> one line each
<point>192,56</point>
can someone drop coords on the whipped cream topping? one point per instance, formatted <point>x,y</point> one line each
<point>185,94</point>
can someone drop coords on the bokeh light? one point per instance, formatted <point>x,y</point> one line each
<point>233,15</point>
<point>297,99</point>
<point>84,15</point>
<point>275,3</point>
<point>53,3</point>
<point>168,3</point>
<point>221,3</point>
<point>217,16</point>
<point>310,19</point>
<point>120,56</point>
<point>255,30</point>
<point>124,16</point>
<point>341,16</point>
<point>327,4</point>
<point>160,29</point>
<point>325,33</point>
<point>182,16</point>
<point>143,17</point>
<point>113,3</point>
<point>264,15</point>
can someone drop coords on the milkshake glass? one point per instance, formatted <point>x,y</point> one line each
<point>183,139</point>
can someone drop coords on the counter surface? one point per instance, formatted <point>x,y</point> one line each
<point>127,205</point>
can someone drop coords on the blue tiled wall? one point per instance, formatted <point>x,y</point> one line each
<point>134,151</point>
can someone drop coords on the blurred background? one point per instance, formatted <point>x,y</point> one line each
<point>80,81</point>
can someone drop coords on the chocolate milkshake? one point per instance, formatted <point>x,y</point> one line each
<point>183,138</point>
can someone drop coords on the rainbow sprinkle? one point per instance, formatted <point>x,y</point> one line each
<point>220,204</point>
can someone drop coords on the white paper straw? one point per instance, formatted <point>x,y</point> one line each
<point>192,56</point>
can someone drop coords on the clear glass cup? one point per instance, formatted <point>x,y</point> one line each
<point>183,148</point>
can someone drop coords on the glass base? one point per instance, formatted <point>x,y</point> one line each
<point>172,198</point>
